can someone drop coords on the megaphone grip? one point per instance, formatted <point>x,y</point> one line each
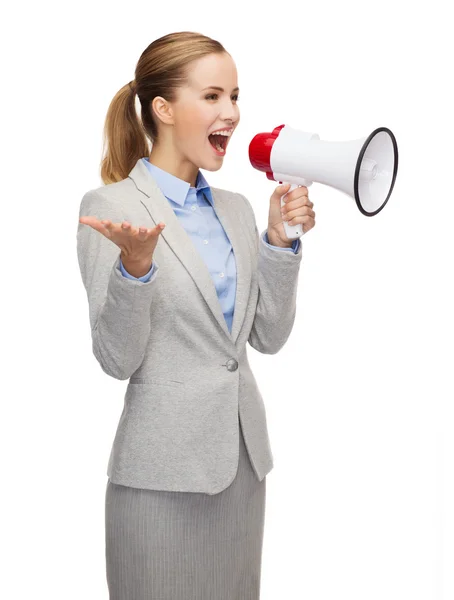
<point>293,231</point>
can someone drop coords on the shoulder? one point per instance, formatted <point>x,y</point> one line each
<point>107,199</point>
<point>113,192</point>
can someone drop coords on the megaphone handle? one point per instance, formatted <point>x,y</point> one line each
<point>293,231</point>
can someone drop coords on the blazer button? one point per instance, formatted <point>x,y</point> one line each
<point>232,364</point>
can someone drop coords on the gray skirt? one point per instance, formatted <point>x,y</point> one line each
<point>164,545</point>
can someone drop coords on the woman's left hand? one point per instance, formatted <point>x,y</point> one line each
<point>296,209</point>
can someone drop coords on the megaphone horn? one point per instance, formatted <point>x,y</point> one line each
<point>364,169</point>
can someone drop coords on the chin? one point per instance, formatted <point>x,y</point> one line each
<point>216,168</point>
<point>211,166</point>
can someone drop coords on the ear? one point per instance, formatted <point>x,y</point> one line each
<point>163,110</point>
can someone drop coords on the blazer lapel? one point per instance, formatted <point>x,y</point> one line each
<point>180,242</point>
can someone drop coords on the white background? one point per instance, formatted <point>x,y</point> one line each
<point>359,400</point>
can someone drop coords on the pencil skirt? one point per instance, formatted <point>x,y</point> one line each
<point>163,545</point>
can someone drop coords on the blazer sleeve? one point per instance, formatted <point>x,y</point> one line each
<point>277,274</point>
<point>119,307</point>
<point>294,248</point>
<point>145,277</point>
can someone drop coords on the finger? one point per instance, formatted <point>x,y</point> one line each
<point>294,205</point>
<point>158,228</point>
<point>300,211</point>
<point>108,224</point>
<point>302,189</point>
<point>308,226</point>
<point>280,190</point>
<point>109,227</point>
<point>301,219</point>
<point>297,203</point>
<point>297,193</point>
<point>142,233</point>
<point>302,201</point>
<point>146,233</point>
<point>126,227</point>
<point>301,192</point>
<point>94,223</point>
<point>90,220</point>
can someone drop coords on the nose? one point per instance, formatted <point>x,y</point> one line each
<point>229,113</point>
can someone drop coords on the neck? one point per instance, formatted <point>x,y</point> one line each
<point>167,161</point>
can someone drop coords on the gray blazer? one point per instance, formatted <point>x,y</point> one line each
<point>189,377</point>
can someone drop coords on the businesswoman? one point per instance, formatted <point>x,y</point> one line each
<point>178,281</point>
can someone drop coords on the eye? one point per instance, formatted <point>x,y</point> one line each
<point>211,96</point>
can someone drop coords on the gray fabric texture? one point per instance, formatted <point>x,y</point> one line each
<point>189,379</point>
<point>186,546</point>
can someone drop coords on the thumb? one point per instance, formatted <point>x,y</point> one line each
<point>280,191</point>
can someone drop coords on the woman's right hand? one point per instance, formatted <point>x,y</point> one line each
<point>137,244</point>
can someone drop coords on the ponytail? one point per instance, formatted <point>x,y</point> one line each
<point>124,139</point>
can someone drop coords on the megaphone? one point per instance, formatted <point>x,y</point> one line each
<point>365,169</point>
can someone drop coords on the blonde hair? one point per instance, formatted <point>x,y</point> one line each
<point>161,69</point>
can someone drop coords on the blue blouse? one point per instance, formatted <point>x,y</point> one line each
<point>194,208</point>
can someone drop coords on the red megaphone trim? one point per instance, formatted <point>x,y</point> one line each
<point>260,151</point>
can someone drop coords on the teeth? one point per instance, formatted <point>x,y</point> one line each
<point>218,147</point>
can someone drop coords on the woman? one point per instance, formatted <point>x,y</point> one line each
<point>178,280</point>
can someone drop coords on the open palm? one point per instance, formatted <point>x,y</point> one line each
<point>137,243</point>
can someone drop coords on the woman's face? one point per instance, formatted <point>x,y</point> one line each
<point>200,109</point>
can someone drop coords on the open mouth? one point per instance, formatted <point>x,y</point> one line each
<point>219,142</point>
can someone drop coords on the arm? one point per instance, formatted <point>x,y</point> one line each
<point>119,307</point>
<point>277,273</point>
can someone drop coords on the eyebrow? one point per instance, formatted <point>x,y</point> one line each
<point>215,87</point>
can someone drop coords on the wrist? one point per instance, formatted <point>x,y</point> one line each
<point>136,267</point>
<point>275,241</point>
